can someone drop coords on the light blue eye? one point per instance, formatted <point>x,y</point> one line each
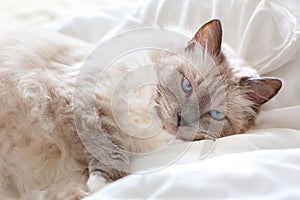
<point>186,86</point>
<point>216,115</point>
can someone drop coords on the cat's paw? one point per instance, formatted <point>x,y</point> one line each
<point>73,194</point>
<point>96,182</point>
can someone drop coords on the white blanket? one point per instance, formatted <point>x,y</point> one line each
<point>262,164</point>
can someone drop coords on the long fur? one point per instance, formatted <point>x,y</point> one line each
<point>41,155</point>
<point>53,115</point>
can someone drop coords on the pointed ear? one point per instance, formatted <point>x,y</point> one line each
<point>209,36</point>
<point>261,90</point>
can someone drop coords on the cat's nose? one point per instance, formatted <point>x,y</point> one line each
<point>183,122</point>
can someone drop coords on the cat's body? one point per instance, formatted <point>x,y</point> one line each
<point>42,152</point>
<point>37,75</point>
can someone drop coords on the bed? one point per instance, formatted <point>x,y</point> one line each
<point>263,163</point>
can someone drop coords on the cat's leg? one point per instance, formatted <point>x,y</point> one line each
<point>100,175</point>
<point>68,191</point>
<point>114,164</point>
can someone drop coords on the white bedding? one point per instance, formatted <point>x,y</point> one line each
<point>262,164</point>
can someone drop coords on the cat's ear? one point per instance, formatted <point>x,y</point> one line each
<point>261,90</point>
<point>209,36</point>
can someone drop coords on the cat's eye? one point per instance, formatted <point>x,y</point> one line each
<point>186,86</point>
<point>216,115</point>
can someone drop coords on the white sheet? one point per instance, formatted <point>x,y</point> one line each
<point>268,174</point>
<point>31,13</point>
<point>263,164</point>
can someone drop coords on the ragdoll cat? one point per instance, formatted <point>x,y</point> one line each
<point>210,93</point>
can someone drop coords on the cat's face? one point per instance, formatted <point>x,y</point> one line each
<point>200,97</point>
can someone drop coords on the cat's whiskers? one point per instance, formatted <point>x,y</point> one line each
<point>163,101</point>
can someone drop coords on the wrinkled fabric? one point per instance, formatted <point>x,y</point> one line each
<point>264,174</point>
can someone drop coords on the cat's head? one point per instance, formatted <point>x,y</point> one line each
<point>200,96</point>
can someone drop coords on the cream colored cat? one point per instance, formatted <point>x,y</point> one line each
<point>56,146</point>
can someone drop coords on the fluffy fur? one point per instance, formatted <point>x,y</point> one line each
<point>63,134</point>
<point>42,155</point>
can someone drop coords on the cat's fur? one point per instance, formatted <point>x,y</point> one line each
<point>42,152</point>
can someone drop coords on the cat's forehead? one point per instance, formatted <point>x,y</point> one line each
<point>214,81</point>
<point>203,70</point>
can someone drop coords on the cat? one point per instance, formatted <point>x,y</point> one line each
<point>54,146</point>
